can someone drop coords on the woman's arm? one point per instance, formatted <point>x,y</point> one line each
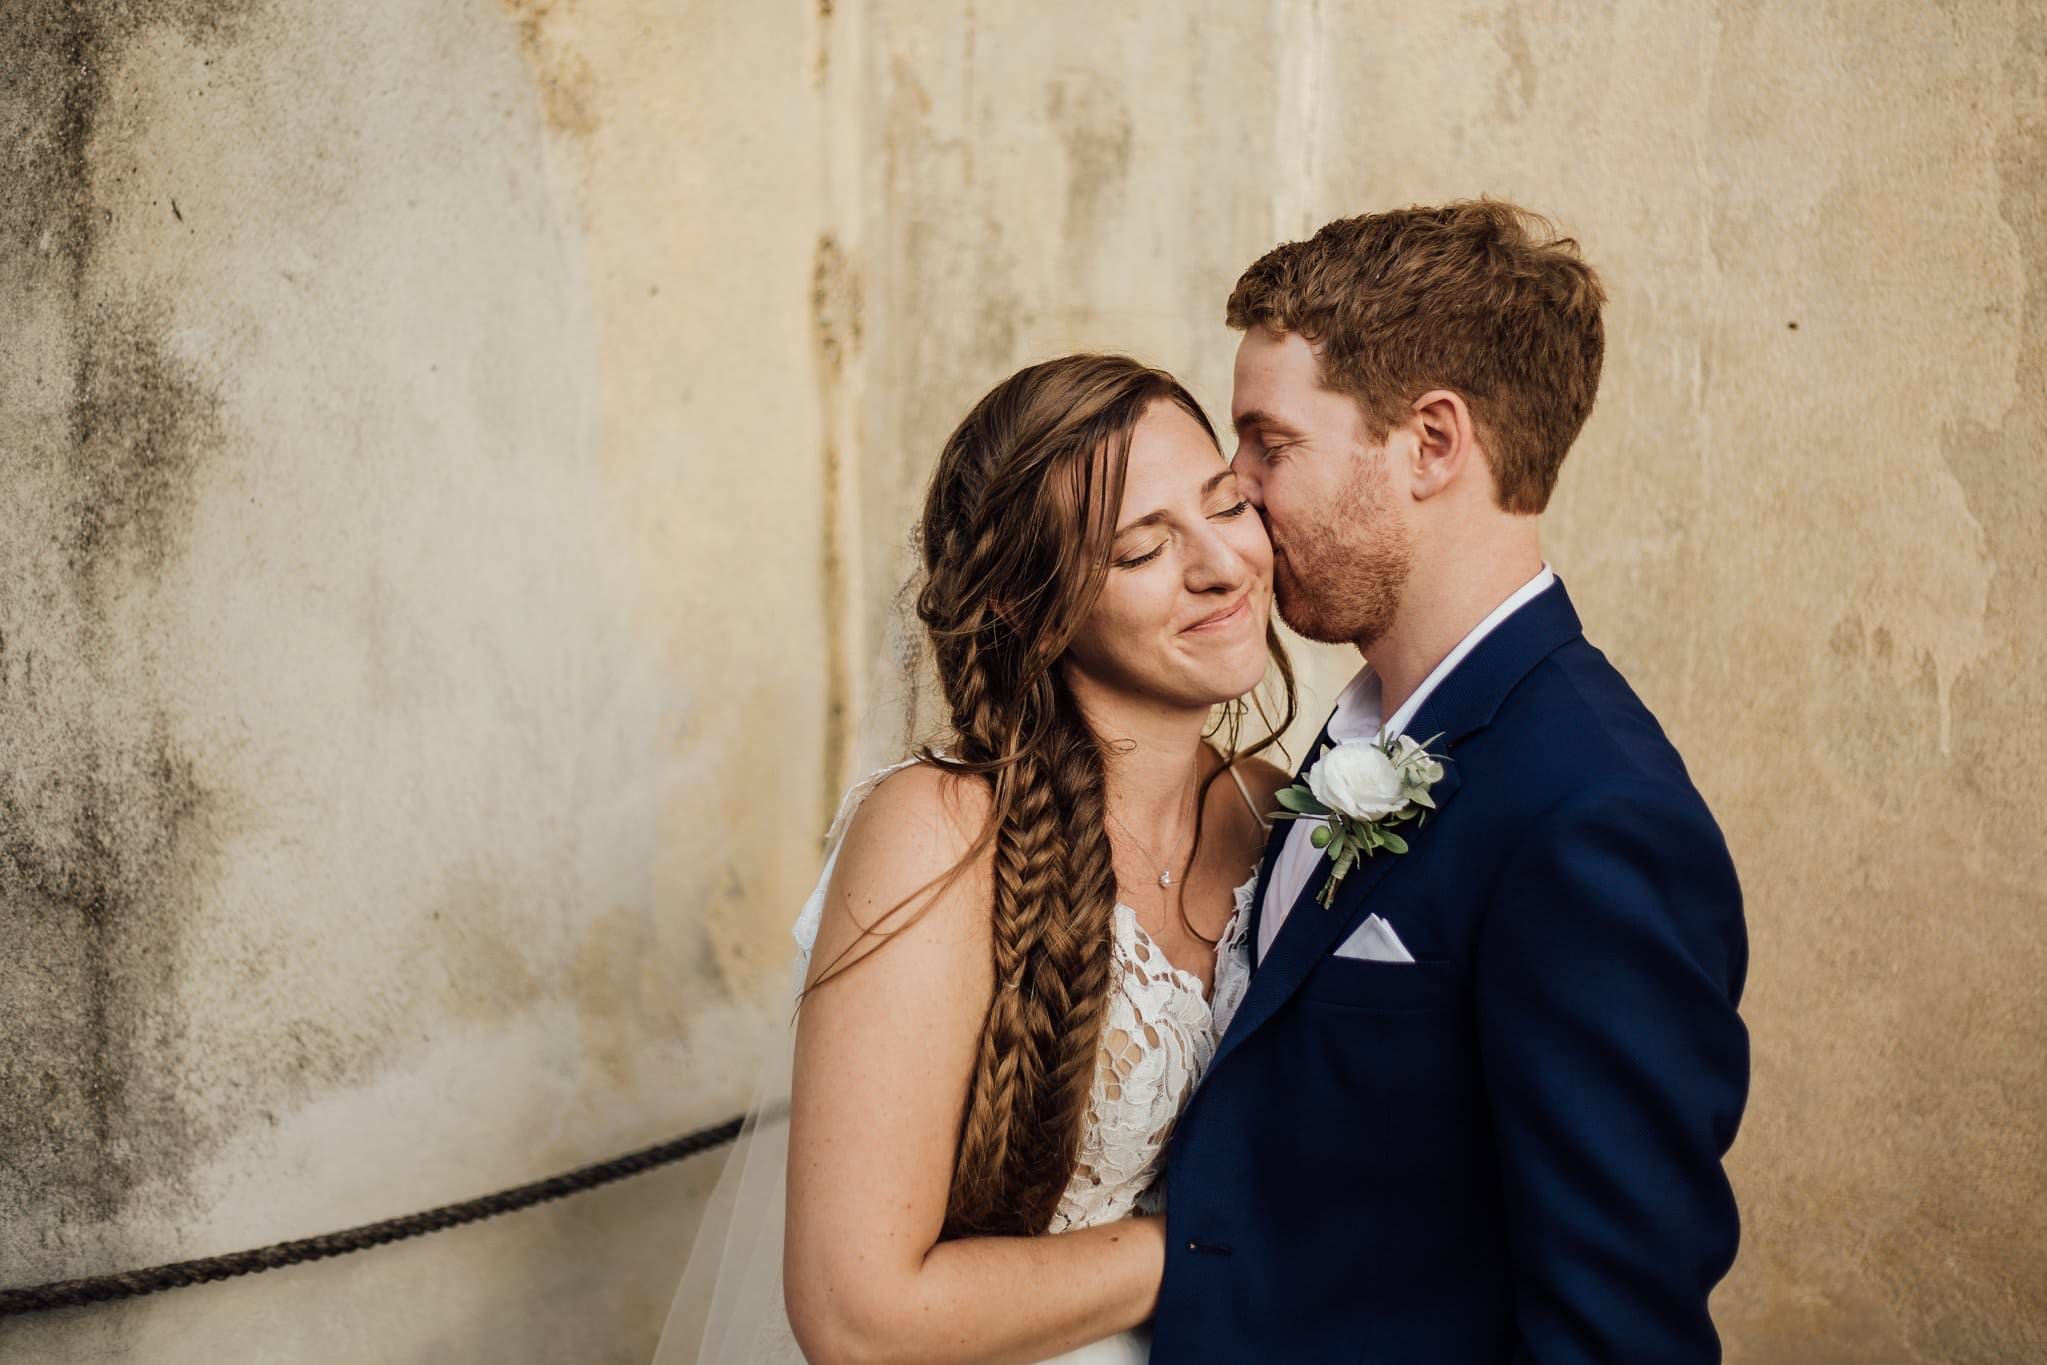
<point>884,1054</point>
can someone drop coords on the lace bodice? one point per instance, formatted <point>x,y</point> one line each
<point>1157,1041</point>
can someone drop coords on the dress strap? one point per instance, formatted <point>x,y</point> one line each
<point>1245,792</point>
<point>812,914</point>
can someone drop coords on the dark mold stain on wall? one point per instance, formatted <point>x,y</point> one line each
<point>140,423</point>
<point>1094,128</point>
<point>835,341</point>
<point>58,54</point>
<point>104,814</point>
<point>568,87</point>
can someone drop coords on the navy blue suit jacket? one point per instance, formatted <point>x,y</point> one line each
<point>1509,1151</point>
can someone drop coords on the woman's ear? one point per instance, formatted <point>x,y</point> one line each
<point>1445,441</point>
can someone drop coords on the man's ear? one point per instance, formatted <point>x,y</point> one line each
<point>1446,441</point>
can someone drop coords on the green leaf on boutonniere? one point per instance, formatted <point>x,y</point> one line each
<point>1392,842</point>
<point>1301,801</point>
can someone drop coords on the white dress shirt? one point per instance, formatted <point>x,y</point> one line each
<point>1356,716</point>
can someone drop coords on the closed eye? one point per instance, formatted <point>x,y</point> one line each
<point>1146,558</point>
<point>1135,561</point>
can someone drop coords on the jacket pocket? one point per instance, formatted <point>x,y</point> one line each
<point>1357,984</point>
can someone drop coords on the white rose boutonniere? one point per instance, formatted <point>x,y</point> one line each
<point>1359,790</point>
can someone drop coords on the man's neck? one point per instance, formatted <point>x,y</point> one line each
<point>1436,613</point>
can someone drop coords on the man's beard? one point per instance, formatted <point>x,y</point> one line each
<point>1340,582</point>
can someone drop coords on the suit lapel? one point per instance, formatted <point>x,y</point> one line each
<point>1462,704</point>
<point>1311,931</point>
<point>1275,843</point>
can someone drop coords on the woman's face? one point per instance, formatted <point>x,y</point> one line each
<point>1182,616</point>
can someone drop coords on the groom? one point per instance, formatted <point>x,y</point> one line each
<point>1471,1112</point>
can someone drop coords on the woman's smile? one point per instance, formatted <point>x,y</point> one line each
<point>1232,615</point>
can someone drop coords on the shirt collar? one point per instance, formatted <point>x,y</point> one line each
<point>1360,706</point>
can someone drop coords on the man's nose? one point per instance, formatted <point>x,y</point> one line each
<point>1246,466</point>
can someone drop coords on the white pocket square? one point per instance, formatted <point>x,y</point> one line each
<point>1374,941</point>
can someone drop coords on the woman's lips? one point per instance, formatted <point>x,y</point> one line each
<point>1226,617</point>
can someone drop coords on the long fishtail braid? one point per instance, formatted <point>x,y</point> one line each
<point>1054,893</point>
<point>1077,953</point>
<point>1000,1139</point>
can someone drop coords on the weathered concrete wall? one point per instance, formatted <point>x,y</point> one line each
<point>392,604</point>
<point>458,460</point>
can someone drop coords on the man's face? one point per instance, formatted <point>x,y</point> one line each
<point>1340,545</point>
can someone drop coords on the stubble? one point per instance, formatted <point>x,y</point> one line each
<point>1340,580</point>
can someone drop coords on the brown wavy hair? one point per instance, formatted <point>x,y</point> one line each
<point>1479,296</point>
<point>1016,538</point>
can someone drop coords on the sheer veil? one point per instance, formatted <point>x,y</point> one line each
<point>728,1307</point>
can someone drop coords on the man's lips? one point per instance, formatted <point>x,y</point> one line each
<point>1227,616</point>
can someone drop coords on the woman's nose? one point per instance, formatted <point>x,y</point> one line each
<point>1213,562</point>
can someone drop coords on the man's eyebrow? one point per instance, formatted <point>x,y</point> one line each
<point>1154,518</point>
<point>1258,417</point>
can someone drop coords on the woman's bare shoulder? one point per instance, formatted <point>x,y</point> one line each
<point>909,865</point>
<point>1246,820</point>
<point>921,811</point>
<point>1264,778</point>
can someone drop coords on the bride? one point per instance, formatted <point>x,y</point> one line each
<point>1025,943</point>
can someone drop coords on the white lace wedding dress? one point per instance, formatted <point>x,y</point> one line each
<point>1156,1041</point>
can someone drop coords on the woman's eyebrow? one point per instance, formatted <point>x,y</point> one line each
<point>1154,518</point>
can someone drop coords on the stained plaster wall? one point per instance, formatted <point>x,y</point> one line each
<point>458,463</point>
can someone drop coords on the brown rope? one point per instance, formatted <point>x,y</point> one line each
<point>135,1283</point>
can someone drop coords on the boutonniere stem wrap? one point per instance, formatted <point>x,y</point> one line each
<point>1357,791</point>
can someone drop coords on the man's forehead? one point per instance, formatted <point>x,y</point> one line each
<point>1272,375</point>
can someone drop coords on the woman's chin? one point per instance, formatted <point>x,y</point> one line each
<point>1233,673</point>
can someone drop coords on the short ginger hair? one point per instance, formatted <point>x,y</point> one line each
<point>1478,296</point>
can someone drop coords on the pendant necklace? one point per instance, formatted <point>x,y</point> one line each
<point>1165,869</point>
